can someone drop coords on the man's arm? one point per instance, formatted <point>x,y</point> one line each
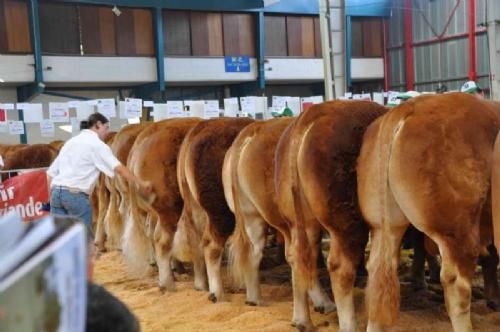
<point>145,186</point>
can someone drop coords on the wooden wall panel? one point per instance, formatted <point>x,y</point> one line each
<point>294,35</point>
<point>59,32</point>
<point>373,37</point>
<point>176,32</point>
<point>125,32</point>
<point>275,35</point>
<point>107,31</point>
<point>143,27</point>
<point>307,26</point>
<point>206,34</point>
<point>300,36</point>
<point>356,37</point>
<point>17,26</point>
<point>239,34</point>
<point>317,39</point>
<point>91,30</point>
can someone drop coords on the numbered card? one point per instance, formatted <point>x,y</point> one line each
<point>106,107</point>
<point>175,109</point>
<point>59,112</point>
<point>4,127</point>
<point>16,127</point>
<point>248,105</point>
<point>231,107</point>
<point>133,108</point>
<point>47,128</point>
<point>211,109</point>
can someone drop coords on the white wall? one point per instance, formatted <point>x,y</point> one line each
<point>206,69</point>
<point>294,70</point>
<point>367,68</point>
<point>17,68</point>
<point>99,69</point>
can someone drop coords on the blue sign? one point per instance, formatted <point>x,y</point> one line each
<point>237,64</point>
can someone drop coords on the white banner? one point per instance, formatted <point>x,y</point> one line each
<point>211,109</point>
<point>175,109</point>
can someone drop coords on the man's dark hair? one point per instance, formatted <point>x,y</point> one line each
<point>106,313</point>
<point>92,121</point>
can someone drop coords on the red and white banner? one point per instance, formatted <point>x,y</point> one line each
<point>25,194</point>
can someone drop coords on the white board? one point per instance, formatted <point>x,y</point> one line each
<point>16,127</point>
<point>47,128</point>
<point>33,113</point>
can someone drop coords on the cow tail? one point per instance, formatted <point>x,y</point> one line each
<point>495,192</point>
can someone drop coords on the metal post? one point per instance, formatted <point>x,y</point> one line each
<point>159,45</point>
<point>348,51</point>
<point>35,40</point>
<point>491,6</point>
<point>261,51</point>
<point>326,48</point>
<point>472,40</point>
<point>410,85</point>
<point>387,73</point>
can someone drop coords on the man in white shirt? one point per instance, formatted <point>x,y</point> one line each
<point>74,172</point>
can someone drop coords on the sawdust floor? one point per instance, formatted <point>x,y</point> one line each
<point>190,310</point>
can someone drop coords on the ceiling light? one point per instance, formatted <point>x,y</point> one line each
<point>116,11</point>
<point>1,80</point>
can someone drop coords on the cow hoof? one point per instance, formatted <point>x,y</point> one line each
<point>212,297</point>
<point>303,328</point>
<point>320,309</point>
<point>493,304</point>
<point>163,289</point>
<point>418,285</point>
<point>251,303</point>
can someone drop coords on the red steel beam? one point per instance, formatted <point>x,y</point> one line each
<point>472,40</point>
<point>438,40</point>
<point>386,56</point>
<point>408,47</point>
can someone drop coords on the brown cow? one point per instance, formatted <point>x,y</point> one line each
<point>28,156</point>
<point>248,177</point>
<point>112,217</point>
<point>427,162</point>
<point>153,157</point>
<point>316,186</point>
<point>206,220</point>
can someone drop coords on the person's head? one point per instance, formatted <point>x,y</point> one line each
<point>97,123</point>
<point>405,96</point>
<point>472,88</point>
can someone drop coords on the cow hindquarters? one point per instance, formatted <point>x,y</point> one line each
<point>495,192</point>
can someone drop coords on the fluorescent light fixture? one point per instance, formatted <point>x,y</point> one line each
<point>116,11</point>
<point>66,128</point>
<point>2,80</point>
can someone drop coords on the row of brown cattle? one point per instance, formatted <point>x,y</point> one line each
<point>349,168</point>
<point>24,156</point>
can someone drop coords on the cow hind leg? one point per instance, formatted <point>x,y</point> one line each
<point>382,292</point>
<point>456,273</point>
<point>163,251</point>
<point>200,273</point>
<point>213,259</point>
<point>342,267</point>
<point>489,267</point>
<point>256,230</point>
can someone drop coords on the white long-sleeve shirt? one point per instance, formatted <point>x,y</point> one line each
<point>80,161</point>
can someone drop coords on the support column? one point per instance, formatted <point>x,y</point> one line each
<point>472,40</point>
<point>261,50</point>
<point>408,47</point>
<point>159,45</point>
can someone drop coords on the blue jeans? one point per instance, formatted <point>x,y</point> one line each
<point>66,203</point>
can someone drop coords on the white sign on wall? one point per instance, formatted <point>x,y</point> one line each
<point>33,113</point>
<point>47,128</point>
<point>16,127</point>
<point>211,109</point>
<point>133,108</point>
<point>106,107</point>
<point>59,112</point>
<point>175,109</point>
